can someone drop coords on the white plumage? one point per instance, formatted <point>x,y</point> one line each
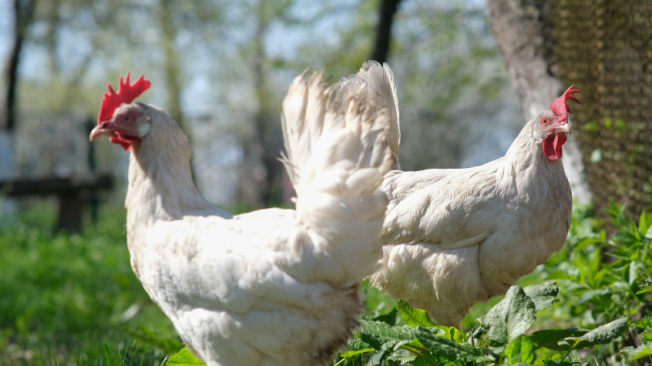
<point>271,287</point>
<point>456,237</point>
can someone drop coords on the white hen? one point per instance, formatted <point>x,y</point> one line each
<point>271,287</point>
<point>456,237</point>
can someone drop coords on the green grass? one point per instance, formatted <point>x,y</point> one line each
<point>73,299</point>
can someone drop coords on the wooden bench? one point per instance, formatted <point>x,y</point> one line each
<point>72,192</point>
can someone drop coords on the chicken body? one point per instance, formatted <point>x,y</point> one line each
<point>456,237</point>
<point>271,287</point>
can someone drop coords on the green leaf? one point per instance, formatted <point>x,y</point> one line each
<point>420,361</point>
<point>601,335</point>
<point>647,286</point>
<point>636,353</point>
<point>588,295</point>
<point>402,358</point>
<point>549,338</point>
<point>644,289</point>
<point>590,126</point>
<point>520,350</point>
<point>560,363</point>
<point>183,358</point>
<point>643,224</point>
<point>376,334</point>
<point>447,349</point>
<point>414,317</point>
<point>357,344</point>
<point>418,317</point>
<point>378,359</point>
<point>645,323</point>
<point>454,334</point>
<point>586,242</point>
<point>646,338</point>
<point>373,341</point>
<point>385,331</point>
<point>510,318</point>
<point>543,295</point>
<point>389,318</point>
<point>349,354</point>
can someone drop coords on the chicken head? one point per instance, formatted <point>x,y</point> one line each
<point>552,125</point>
<point>123,121</point>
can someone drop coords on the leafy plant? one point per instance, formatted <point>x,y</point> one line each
<point>500,339</point>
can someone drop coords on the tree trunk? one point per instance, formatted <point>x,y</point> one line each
<point>523,31</point>
<point>173,70</point>
<point>23,16</point>
<point>171,64</point>
<point>387,10</point>
<point>604,48</point>
<point>51,35</point>
<point>261,172</point>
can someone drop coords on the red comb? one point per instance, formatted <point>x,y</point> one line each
<point>559,106</point>
<point>126,94</point>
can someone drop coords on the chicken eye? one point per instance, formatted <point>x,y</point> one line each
<point>544,121</point>
<point>126,117</point>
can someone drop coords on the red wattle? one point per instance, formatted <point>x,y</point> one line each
<point>123,140</point>
<point>552,145</point>
<point>125,144</point>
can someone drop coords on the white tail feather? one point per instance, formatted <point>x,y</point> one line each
<point>337,155</point>
<point>382,90</point>
<point>325,126</point>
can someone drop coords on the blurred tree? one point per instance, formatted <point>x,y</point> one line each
<point>171,63</point>
<point>23,17</point>
<point>454,98</point>
<point>260,177</point>
<point>603,49</point>
<point>387,10</point>
<point>241,56</point>
<point>523,30</point>
<point>452,87</point>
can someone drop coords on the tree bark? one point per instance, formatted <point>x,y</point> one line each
<point>173,71</point>
<point>519,29</point>
<point>51,43</point>
<point>387,10</point>
<point>261,173</point>
<point>171,64</point>
<point>23,16</point>
<point>524,33</point>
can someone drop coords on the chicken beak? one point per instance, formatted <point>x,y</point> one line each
<point>565,128</point>
<point>100,130</point>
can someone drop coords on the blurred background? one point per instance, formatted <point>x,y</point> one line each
<point>470,74</point>
<point>221,68</point>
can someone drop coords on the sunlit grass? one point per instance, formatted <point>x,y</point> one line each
<point>73,299</point>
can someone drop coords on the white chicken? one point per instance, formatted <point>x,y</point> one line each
<point>271,287</point>
<point>456,237</point>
